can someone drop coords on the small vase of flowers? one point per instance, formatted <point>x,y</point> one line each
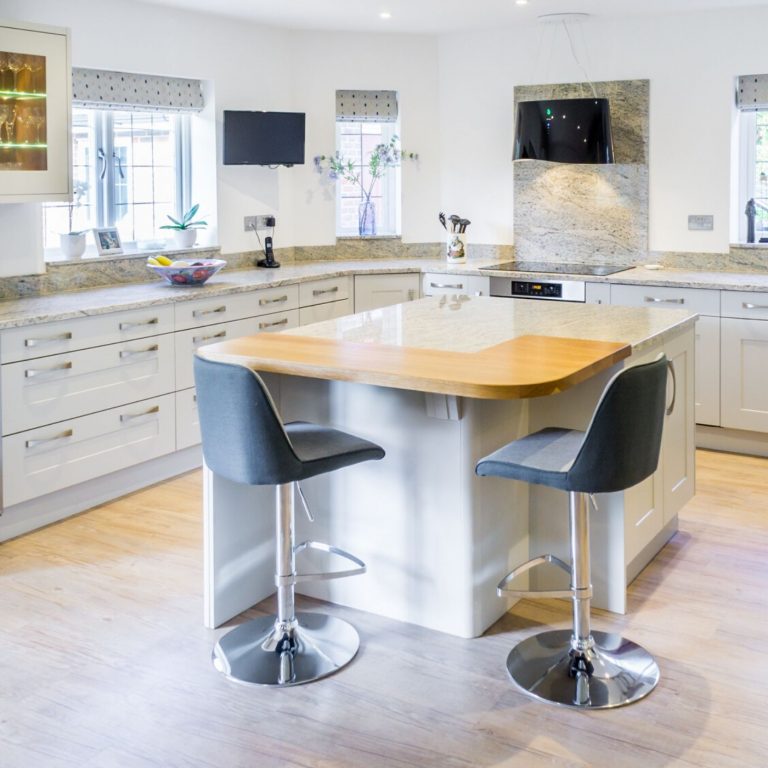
<point>384,156</point>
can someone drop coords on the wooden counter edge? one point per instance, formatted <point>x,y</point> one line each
<point>527,366</point>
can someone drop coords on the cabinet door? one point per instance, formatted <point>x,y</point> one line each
<point>744,395</point>
<point>678,441</point>
<point>708,371</point>
<point>35,103</point>
<point>598,293</point>
<point>374,291</point>
<point>328,311</point>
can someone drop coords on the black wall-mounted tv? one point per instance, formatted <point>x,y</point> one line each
<point>263,138</point>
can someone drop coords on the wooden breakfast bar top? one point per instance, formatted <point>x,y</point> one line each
<point>489,348</point>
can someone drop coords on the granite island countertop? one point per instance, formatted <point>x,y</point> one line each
<point>72,304</point>
<point>480,347</point>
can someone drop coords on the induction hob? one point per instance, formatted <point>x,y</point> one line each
<point>597,270</point>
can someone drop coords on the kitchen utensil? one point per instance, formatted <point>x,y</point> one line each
<point>463,224</point>
<point>454,219</point>
<point>441,216</point>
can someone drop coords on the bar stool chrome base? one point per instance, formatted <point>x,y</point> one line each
<point>622,672</point>
<point>259,652</point>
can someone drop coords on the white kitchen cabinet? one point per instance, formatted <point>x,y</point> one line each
<point>598,293</point>
<point>323,291</point>
<point>33,341</point>
<point>707,303</point>
<point>58,387</point>
<point>678,440</point>
<point>438,284</point>
<point>187,419</point>
<point>374,291</point>
<point>47,459</point>
<point>329,311</point>
<point>708,371</point>
<point>36,106</point>
<point>745,374</point>
<point>221,309</point>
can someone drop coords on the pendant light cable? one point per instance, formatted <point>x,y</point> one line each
<point>576,58</point>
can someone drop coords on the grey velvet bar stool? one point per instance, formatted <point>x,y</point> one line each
<point>245,441</point>
<point>620,448</point>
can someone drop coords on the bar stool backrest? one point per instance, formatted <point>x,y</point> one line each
<point>622,443</point>
<point>243,436</point>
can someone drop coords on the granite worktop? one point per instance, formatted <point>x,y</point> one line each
<point>70,304</point>
<point>471,324</point>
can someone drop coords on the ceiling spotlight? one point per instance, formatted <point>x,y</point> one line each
<point>385,15</point>
<point>521,2</point>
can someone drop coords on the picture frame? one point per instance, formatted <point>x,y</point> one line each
<point>107,241</point>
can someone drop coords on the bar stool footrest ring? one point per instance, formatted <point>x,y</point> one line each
<point>504,590</point>
<point>329,549</point>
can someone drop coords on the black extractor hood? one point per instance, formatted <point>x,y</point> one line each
<point>564,131</point>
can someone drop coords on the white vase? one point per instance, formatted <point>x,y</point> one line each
<point>184,238</point>
<point>72,245</point>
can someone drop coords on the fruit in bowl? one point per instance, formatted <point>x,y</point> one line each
<point>186,271</point>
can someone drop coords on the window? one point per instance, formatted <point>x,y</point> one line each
<point>754,171</point>
<point>356,142</point>
<point>130,169</point>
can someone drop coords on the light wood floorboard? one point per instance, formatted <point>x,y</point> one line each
<point>106,663</point>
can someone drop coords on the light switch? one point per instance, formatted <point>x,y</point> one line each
<point>701,223</point>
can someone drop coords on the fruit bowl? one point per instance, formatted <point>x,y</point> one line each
<point>188,272</point>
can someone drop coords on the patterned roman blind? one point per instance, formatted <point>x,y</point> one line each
<point>752,93</point>
<point>366,106</point>
<point>100,89</point>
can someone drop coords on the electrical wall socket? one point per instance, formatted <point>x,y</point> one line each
<point>252,223</point>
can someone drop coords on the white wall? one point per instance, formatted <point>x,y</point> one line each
<point>326,62</point>
<point>692,61</point>
<point>456,107</point>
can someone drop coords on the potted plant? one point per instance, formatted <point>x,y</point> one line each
<point>72,243</point>
<point>185,231</point>
<point>384,156</point>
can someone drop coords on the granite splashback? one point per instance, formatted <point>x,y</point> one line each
<point>588,213</point>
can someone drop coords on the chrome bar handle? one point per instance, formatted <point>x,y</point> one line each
<point>201,339</point>
<point>747,305</point>
<point>458,287</point>
<point>61,436</point>
<point>203,312</point>
<point>284,321</point>
<point>671,366</point>
<point>278,300</point>
<point>656,300</point>
<point>331,550</point>
<point>131,416</point>
<point>30,372</point>
<point>321,291</point>
<point>139,324</point>
<point>48,339</point>
<point>132,352</point>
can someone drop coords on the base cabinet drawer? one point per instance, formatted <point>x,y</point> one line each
<point>44,460</point>
<point>374,291</point>
<point>329,311</point>
<point>33,341</point>
<point>323,291</point>
<point>187,420</point>
<point>51,389</point>
<point>437,284</point>
<point>705,301</point>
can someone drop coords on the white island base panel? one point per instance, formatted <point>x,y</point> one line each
<point>436,538</point>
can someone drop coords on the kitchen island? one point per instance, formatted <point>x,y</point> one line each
<point>439,383</point>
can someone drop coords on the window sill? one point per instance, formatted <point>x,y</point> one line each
<point>55,257</point>
<point>756,246</point>
<point>344,238</point>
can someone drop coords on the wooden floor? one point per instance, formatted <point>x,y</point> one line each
<point>105,661</point>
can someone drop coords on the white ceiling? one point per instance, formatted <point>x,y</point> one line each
<point>432,16</point>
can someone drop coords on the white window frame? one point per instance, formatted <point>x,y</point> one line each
<point>390,190</point>
<point>747,170</point>
<point>104,202</point>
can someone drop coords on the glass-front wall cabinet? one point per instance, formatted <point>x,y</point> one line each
<point>35,106</point>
